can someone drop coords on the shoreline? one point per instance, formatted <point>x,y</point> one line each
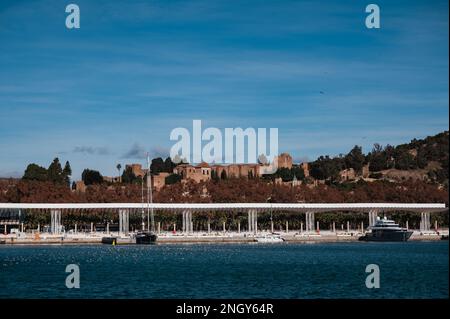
<point>197,239</point>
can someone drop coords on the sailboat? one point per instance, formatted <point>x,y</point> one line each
<point>269,238</point>
<point>146,237</point>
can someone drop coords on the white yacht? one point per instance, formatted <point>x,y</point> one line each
<point>269,238</point>
<point>386,230</point>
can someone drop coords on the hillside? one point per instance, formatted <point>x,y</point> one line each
<point>421,159</point>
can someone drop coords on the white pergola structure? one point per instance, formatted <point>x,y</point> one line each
<point>309,209</point>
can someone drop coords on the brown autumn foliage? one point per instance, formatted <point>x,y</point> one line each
<point>224,191</point>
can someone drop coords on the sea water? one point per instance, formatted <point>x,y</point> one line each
<point>286,270</point>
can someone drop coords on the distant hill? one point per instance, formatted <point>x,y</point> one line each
<point>421,159</point>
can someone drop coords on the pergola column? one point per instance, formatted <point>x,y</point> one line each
<point>55,221</point>
<point>309,222</point>
<point>372,217</point>
<point>424,221</point>
<point>253,221</point>
<point>124,221</point>
<point>187,222</point>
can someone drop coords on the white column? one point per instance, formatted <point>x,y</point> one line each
<point>124,222</point>
<point>334,227</point>
<point>348,226</point>
<point>287,227</point>
<point>372,217</point>
<point>253,221</point>
<point>317,227</point>
<point>301,227</point>
<point>55,221</point>
<point>183,222</point>
<point>239,226</point>
<point>407,225</point>
<point>120,221</point>
<point>209,225</point>
<point>224,229</point>
<point>107,228</point>
<point>425,221</point>
<point>310,221</point>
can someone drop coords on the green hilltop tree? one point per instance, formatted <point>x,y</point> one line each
<point>55,172</point>
<point>355,159</point>
<point>66,173</point>
<point>91,177</point>
<point>35,172</point>
<point>169,165</point>
<point>128,176</point>
<point>172,179</point>
<point>119,167</point>
<point>157,165</point>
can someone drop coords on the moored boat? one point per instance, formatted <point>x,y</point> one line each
<point>386,230</point>
<point>109,240</point>
<point>146,238</point>
<point>270,238</point>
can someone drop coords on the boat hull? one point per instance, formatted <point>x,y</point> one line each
<point>146,238</point>
<point>387,236</point>
<point>269,239</point>
<point>109,240</point>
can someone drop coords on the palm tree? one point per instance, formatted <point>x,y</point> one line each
<point>119,167</point>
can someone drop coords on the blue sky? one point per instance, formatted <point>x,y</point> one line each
<point>135,70</point>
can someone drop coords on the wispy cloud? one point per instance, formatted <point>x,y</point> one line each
<point>159,151</point>
<point>135,152</point>
<point>91,150</point>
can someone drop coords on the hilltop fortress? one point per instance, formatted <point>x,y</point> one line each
<point>204,171</point>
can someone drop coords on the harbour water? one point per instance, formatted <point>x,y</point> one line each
<point>288,270</point>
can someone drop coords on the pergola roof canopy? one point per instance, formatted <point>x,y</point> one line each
<point>299,207</point>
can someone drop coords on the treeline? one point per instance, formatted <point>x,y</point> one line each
<point>54,173</point>
<point>328,168</point>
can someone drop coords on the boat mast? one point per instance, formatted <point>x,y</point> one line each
<point>142,202</point>
<point>149,198</point>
